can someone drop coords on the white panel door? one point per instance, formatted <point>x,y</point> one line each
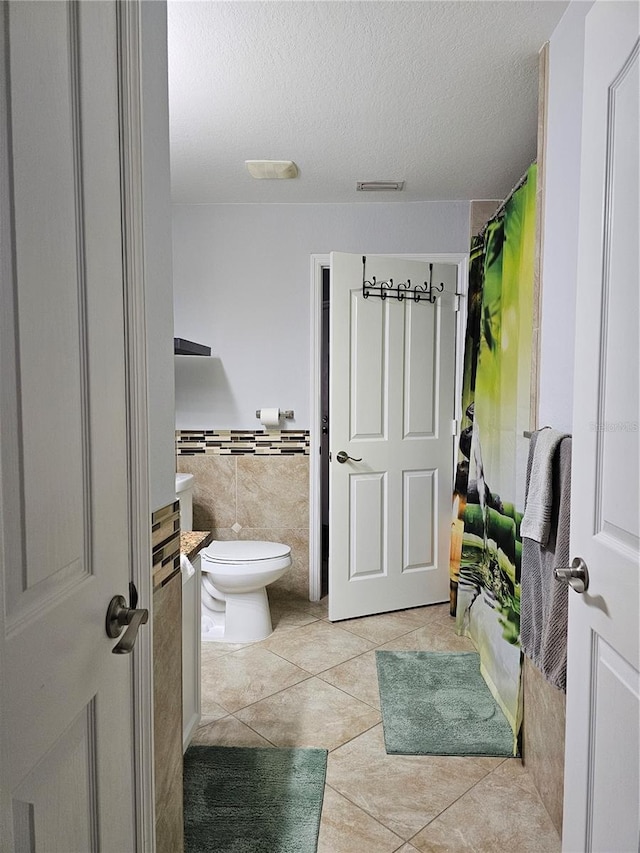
<point>67,760</point>
<point>602,784</point>
<point>391,406</point>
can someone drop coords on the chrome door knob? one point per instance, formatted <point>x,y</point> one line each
<point>576,575</point>
<point>343,456</point>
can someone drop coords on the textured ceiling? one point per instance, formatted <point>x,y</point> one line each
<point>441,95</point>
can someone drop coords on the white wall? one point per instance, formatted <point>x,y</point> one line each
<point>559,281</point>
<point>157,254</point>
<point>242,285</point>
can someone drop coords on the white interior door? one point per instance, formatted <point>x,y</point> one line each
<point>66,765</point>
<point>391,391</point>
<point>602,790</point>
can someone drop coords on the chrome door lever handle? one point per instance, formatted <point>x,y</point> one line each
<point>576,575</point>
<point>342,457</point>
<point>120,616</point>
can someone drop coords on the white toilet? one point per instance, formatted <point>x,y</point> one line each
<point>235,607</point>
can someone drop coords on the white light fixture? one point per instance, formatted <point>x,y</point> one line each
<point>271,169</point>
<point>379,186</point>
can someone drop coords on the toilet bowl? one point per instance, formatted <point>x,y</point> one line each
<point>235,574</point>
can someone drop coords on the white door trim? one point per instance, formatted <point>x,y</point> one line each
<point>318,261</point>
<point>129,74</point>
<point>315,414</point>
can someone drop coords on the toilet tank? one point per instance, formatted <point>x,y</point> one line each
<point>184,493</point>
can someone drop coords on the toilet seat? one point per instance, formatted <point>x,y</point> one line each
<point>244,551</point>
<point>245,557</point>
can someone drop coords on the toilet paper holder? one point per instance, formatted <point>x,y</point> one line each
<point>287,414</point>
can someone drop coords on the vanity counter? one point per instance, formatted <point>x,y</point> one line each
<point>193,541</point>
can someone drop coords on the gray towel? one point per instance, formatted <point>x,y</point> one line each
<point>544,600</point>
<point>536,523</point>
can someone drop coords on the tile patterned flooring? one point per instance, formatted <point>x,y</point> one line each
<point>313,683</point>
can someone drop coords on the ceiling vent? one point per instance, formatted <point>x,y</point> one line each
<point>379,186</point>
<point>271,170</point>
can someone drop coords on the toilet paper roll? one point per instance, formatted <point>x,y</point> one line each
<point>270,418</point>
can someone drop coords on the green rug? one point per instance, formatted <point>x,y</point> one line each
<point>437,703</point>
<point>244,800</point>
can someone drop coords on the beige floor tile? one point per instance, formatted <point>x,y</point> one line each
<point>288,598</point>
<point>209,704</point>
<point>431,612</point>
<point>435,637</point>
<point>242,678</point>
<point>373,801</point>
<point>285,616</point>
<point>228,732</point>
<point>214,712</point>
<point>318,646</point>
<point>311,713</point>
<point>502,812</point>
<point>403,792</point>
<point>209,651</point>
<point>345,828</point>
<point>358,677</point>
<point>319,608</point>
<point>385,626</point>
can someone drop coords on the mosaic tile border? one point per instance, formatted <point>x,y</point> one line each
<point>238,442</point>
<point>165,543</point>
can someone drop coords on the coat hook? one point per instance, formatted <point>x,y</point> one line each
<point>386,289</point>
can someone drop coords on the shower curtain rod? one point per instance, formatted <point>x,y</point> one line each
<point>506,201</point>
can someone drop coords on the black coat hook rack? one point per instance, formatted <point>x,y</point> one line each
<point>401,291</point>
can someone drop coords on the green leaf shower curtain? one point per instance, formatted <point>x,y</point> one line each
<point>486,547</point>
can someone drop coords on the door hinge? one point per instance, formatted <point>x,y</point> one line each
<point>454,426</point>
<point>456,306</point>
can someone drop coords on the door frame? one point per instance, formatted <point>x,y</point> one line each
<point>138,498</point>
<point>318,261</point>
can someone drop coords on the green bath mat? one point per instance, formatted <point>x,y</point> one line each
<point>252,800</point>
<point>437,703</point>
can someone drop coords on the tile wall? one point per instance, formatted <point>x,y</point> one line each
<point>167,677</point>
<point>228,442</point>
<point>543,739</point>
<point>252,485</point>
<point>165,544</point>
